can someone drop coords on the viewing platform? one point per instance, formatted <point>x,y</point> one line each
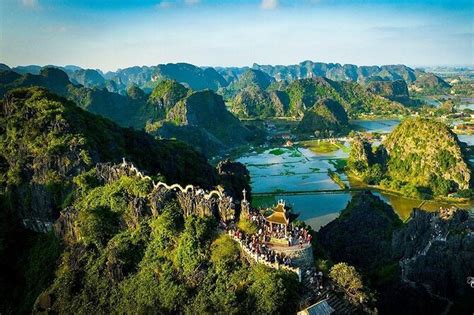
<point>276,241</point>
<point>259,259</point>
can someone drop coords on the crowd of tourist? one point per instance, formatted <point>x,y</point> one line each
<point>258,246</point>
<point>258,243</point>
<point>293,235</point>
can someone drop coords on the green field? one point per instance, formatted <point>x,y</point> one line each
<point>318,146</point>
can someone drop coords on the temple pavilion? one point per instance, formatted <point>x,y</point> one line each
<point>281,216</point>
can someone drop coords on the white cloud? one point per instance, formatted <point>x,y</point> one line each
<point>32,4</point>
<point>164,5</point>
<point>269,4</point>
<point>191,2</point>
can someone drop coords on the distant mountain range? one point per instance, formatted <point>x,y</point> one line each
<point>190,103</point>
<point>199,78</point>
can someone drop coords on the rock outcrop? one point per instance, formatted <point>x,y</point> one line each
<point>438,252</point>
<point>430,82</point>
<point>420,158</point>
<point>256,103</point>
<point>393,90</point>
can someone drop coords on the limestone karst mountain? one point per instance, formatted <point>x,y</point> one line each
<point>420,157</point>
<point>208,120</point>
<point>51,140</point>
<point>327,117</point>
<point>393,90</point>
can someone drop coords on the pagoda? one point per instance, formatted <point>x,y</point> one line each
<point>281,216</point>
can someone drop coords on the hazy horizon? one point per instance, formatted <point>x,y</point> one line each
<point>249,66</point>
<point>109,35</point>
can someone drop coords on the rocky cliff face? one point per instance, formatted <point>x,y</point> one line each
<point>417,267</point>
<point>166,94</point>
<point>361,156</point>
<point>235,177</point>
<point>336,71</point>
<point>189,75</point>
<point>437,250</point>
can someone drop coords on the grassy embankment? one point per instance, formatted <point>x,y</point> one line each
<point>337,179</point>
<point>443,200</point>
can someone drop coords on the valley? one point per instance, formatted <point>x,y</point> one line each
<point>323,156</point>
<point>257,157</point>
<point>300,176</point>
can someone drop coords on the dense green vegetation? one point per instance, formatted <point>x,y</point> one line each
<point>118,260</point>
<point>420,158</point>
<point>198,118</point>
<point>28,261</point>
<point>166,94</point>
<point>337,179</point>
<point>321,146</point>
<point>115,254</point>
<point>325,119</point>
<point>430,84</point>
<point>251,78</point>
<point>294,99</point>
<point>202,120</point>
<point>121,247</point>
<point>46,139</point>
<point>393,90</point>
<point>350,280</point>
<point>362,234</point>
<point>397,266</point>
<point>253,102</point>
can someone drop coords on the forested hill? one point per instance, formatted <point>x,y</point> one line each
<point>335,71</point>
<point>167,110</point>
<point>298,96</point>
<point>427,152</point>
<point>421,158</point>
<point>122,109</point>
<point>47,140</point>
<point>116,255</point>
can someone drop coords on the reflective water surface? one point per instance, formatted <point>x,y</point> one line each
<point>299,176</point>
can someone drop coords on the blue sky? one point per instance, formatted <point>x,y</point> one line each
<point>113,34</point>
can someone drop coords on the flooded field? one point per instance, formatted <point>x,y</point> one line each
<point>291,170</point>
<point>299,176</point>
